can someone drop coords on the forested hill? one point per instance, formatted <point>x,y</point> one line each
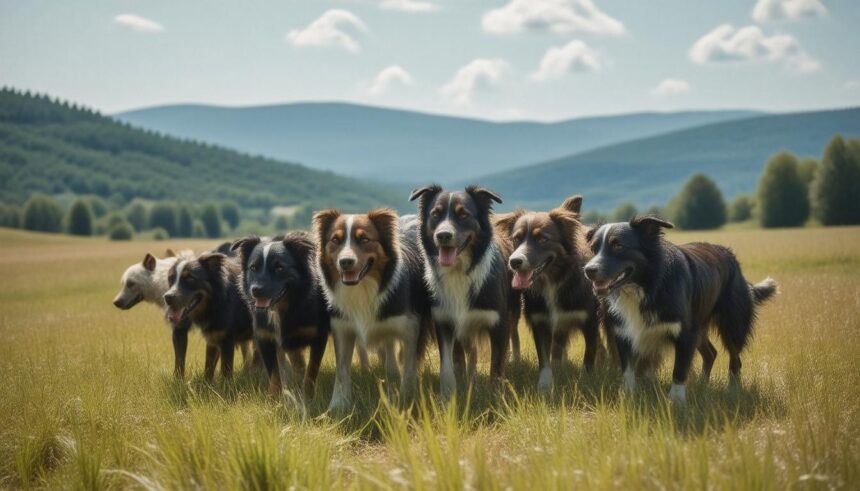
<point>56,147</point>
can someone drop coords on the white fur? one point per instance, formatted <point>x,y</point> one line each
<point>266,249</point>
<point>545,379</point>
<point>152,285</point>
<point>648,336</point>
<point>629,379</point>
<point>678,394</point>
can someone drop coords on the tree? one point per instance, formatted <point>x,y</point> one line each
<point>121,231</point>
<point>741,208</point>
<point>10,216</point>
<point>199,229</point>
<point>98,206</point>
<point>623,213</point>
<point>282,223</point>
<point>230,213</point>
<point>80,219</point>
<point>211,221</point>
<point>807,168</point>
<point>136,215</point>
<point>163,215</point>
<point>185,223</point>
<point>700,205</point>
<point>782,196</point>
<point>836,189</point>
<point>42,214</point>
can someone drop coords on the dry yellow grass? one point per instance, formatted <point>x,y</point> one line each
<point>87,399</point>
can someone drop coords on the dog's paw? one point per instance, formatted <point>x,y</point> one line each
<point>678,394</point>
<point>545,381</point>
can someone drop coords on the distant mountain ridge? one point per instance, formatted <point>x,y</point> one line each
<point>402,146</point>
<point>649,171</point>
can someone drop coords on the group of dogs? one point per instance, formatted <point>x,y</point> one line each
<point>461,272</point>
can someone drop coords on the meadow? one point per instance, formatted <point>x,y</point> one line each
<point>88,400</point>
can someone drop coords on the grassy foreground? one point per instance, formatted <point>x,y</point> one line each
<point>87,399</point>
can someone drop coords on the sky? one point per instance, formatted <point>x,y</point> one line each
<point>540,60</point>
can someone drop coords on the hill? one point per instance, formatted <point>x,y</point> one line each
<point>54,147</point>
<point>403,146</point>
<point>651,170</point>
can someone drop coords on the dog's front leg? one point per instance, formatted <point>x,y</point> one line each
<point>409,350</point>
<point>344,344</point>
<point>180,348</point>
<point>447,377</point>
<point>685,349</point>
<point>228,352</point>
<point>212,355</point>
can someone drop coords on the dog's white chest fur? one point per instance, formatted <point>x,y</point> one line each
<point>648,336</point>
<point>556,316</point>
<point>453,289</point>
<point>359,304</point>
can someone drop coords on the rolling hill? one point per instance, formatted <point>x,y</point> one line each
<point>53,147</point>
<point>403,146</point>
<point>651,170</point>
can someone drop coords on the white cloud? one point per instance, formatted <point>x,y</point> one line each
<point>725,44</point>
<point>575,56</point>
<point>138,23</point>
<point>671,86</point>
<point>479,74</point>
<point>770,10</point>
<point>387,77</point>
<point>558,16</point>
<point>332,29</point>
<point>409,5</point>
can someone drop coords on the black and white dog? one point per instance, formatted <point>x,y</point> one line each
<point>372,277</point>
<point>659,294</point>
<point>290,314</point>
<point>466,270</point>
<point>550,252</point>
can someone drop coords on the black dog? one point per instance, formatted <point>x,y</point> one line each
<point>283,292</point>
<point>466,269</point>
<point>207,292</point>
<point>550,251</point>
<point>658,293</point>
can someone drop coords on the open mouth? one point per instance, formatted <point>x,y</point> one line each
<point>524,278</point>
<point>177,314</point>
<point>603,288</point>
<point>448,255</point>
<point>265,303</point>
<point>350,278</point>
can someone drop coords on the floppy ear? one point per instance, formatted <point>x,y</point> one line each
<point>169,253</point>
<point>322,222</point>
<point>573,204</point>
<point>149,262</point>
<point>245,246</point>
<point>589,234</point>
<point>484,196</point>
<point>504,223</point>
<point>212,261</point>
<point>424,196</point>
<point>301,245</point>
<point>385,220</point>
<point>650,224</point>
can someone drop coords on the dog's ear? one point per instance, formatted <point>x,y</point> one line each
<point>301,245</point>
<point>149,262</point>
<point>212,261</point>
<point>504,223</point>
<point>573,204</point>
<point>484,196</point>
<point>567,224</point>
<point>245,246</point>
<point>386,222</point>
<point>169,253</point>
<point>322,222</point>
<point>425,196</point>
<point>650,224</point>
<point>589,234</point>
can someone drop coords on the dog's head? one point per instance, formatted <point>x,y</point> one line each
<point>545,243</point>
<point>272,269</point>
<point>192,285</point>
<point>136,284</point>
<point>623,252</point>
<point>455,224</point>
<point>352,247</point>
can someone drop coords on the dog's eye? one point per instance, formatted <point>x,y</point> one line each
<point>279,268</point>
<point>335,240</point>
<point>616,246</point>
<point>129,284</point>
<point>463,214</point>
<point>363,240</point>
<point>541,239</point>
<point>253,268</point>
<point>435,214</point>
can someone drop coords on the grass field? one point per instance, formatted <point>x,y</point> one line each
<point>87,397</point>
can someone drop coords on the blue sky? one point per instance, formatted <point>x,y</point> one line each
<point>503,59</point>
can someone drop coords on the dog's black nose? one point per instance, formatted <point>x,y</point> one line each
<point>346,262</point>
<point>591,271</point>
<point>256,291</point>
<point>117,303</point>
<point>169,299</point>
<point>444,237</point>
<point>516,262</point>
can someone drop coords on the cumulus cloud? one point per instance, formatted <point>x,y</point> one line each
<point>671,86</point>
<point>726,44</point>
<point>770,10</point>
<point>394,74</point>
<point>334,28</point>
<point>558,16</point>
<point>574,57</point>
<point>409,5</point>
<point>137,23</point>
<point>479,74</point>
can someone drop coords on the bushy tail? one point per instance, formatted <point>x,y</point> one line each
<point>763,290</point>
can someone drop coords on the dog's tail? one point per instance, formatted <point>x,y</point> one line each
<point>764,290</point>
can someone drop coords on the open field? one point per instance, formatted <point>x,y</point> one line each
<point>87,398</point>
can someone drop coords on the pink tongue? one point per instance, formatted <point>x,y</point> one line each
<point>174,315</point>
<point>349,276</point>
<point>522,279</point>
<point>263,303</point>
<point>447,256</point>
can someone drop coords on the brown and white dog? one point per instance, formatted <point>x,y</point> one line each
<point>550,252</point>
<point>372,277</point>
<point>466,270</point>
